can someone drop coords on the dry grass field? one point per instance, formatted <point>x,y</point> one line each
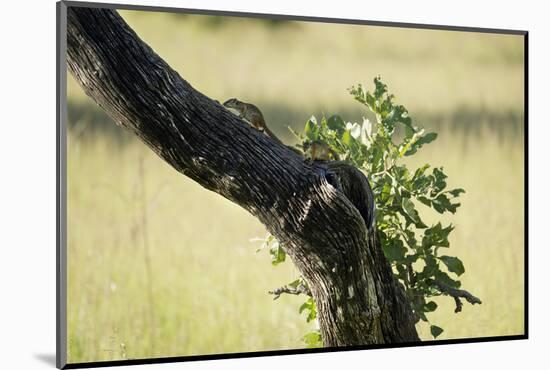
<point>159,266</point>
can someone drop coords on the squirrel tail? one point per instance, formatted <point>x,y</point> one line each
<point>274,137</point>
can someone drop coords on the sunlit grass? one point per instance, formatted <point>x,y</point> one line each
<point>210,287</point>
<point>489,234</point>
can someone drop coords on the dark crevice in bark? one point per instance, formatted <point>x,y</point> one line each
<point>321,212</point>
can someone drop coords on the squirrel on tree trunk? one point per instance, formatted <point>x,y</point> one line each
<point>320,151</point>
<point>316,150</point>
<point>252,114</point>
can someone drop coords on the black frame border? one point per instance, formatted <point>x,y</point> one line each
<point>61,176</point>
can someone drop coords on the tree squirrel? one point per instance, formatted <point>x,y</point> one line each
<point>317,150</point>
<point>252,114</point>
<point>320,151</point>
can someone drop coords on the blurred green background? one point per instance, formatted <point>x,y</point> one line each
<point>159,266</point>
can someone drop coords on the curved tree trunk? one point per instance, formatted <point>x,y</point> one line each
<point>358,299</point>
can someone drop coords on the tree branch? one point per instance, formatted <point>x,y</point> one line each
<point>300,289</point>
<point>456,294</point>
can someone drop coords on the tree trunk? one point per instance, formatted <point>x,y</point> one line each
<point>309,207</point>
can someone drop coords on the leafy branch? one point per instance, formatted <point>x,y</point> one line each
<point>298,286</point>
<point>411,246</point>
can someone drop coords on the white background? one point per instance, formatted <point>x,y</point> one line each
<point>27,181</point>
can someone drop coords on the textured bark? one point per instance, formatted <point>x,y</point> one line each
<point>308,207</point>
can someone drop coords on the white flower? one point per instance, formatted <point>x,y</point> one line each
<point>354,129</point>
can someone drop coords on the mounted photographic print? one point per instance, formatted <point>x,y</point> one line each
<point>235,184</point>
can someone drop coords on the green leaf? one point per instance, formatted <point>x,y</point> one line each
<point>295,283</point>
<point>410,238</point>
<point>422,140</point>
<point>313,339</point>
<point>346,138</point>
<point>309,305</point>
<point>380,87</point>
<point>437,236</point>
<point>358,93</point>
<point>430,306</point>
<point>378,156</point>
<point>425,201</point>
<point>456,192</point>
<point>420,171</point>
<point>410,211</point>
<point>441,204</point>
<point>442,277</point>
<point>436,331</point>
<point>371,102</point>
<point>391,116</point>
<point>308,128</point>
<point>408,145</point>
<point>439,180</point>
<point>386,195</point>
<point>337,124</point>
<point>311,130</point>
<point>421,182</point>
<point>277,253</point>
<point>394,249</point>
<point>422,316</point>
<point>454,264</point>
<point>426,139</point>
<point>408,207</point>
<point>407,121</point>
<point>409,132</point>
